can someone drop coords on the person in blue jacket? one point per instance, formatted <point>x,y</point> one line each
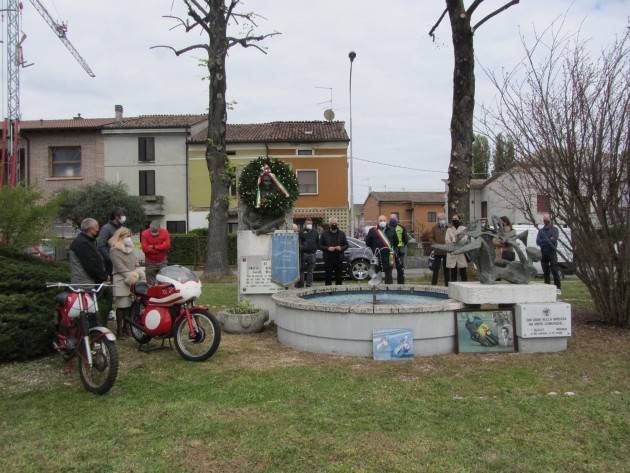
<point>547,240</point>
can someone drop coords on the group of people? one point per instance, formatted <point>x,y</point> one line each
<point>387,241</point>
<point>456,265</point>
<point>106,254</point>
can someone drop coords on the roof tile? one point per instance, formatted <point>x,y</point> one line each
<point>281,132</point>
<point>425,197</point>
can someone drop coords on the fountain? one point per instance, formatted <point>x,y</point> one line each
<point>342,319</point>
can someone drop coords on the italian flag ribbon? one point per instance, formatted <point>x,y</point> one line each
<point>266,171</point>
<point>388,244</point>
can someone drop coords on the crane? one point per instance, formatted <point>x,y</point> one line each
<point>15,60</point>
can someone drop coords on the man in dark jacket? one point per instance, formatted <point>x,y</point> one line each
<point>116,220</point>
<point>309,244</point>
<point>436,236</point>
<point>547,240</point>
<point>383,243</point>
<point>399,249</point>
<point>333,243</point>
<point>86,262</point>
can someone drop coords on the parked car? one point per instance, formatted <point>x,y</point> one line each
<point>356,264</point>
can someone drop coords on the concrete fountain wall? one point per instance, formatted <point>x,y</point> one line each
<point>309,325</point>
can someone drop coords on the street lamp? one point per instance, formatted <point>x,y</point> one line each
<point>352,55</point>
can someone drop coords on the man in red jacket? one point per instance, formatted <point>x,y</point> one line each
<point>155,243</point>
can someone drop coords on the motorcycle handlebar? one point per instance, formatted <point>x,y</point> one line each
<point>78,287</point>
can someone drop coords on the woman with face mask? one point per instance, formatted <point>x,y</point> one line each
<point>456,264</point>
<point>125,273</point>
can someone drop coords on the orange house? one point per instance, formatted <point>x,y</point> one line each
<point>417,211</point>
<point>316,150</point>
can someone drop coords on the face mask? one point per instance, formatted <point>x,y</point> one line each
<point>382,224</point>
<point>128,241</point>
<point>309,226</point>
<point>442,223</point>
<point>456,223</point>
<point>334,227</point>
<point>393,222</point>
<point>546,222</point>
<point>123,219</point>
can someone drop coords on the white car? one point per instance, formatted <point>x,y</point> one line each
<point>565,250</point>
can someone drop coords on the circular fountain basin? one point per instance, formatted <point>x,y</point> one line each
<point>341,319</point>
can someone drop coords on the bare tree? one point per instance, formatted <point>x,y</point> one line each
<point>463,31</point>
<point>569,117</point>
<point>213,19</point>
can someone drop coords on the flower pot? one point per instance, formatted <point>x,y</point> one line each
<point>243,323</point>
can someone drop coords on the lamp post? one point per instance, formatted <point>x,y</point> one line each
<point>352,55</point>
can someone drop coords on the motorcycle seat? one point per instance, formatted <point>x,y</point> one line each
<point>140,288</point>
<point>60,299</point>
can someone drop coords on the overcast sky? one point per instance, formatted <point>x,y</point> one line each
<point>401,79</point>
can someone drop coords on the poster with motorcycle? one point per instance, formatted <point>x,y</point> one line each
<point>485,331</point>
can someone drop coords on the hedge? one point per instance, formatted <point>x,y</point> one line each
<point>26,306</point>
<point>190,249</point>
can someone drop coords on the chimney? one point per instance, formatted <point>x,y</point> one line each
<point>118,112</point>
<point>78,117</point>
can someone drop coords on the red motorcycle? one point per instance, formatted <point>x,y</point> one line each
<point>167,310</point>
<point>78,334</point>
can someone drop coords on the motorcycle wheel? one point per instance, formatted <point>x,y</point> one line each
<point>100,377</point>
<point>138,335</point>
<point>205,343</point>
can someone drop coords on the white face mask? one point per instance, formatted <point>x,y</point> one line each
<point>309,226</point>
<point>442,223</point>
<point>382,224</point>
<point>123,219</point>
<point>128,242</point>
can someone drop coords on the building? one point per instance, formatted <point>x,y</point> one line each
<point>417,211</point>
<point>148,154</point>
<point>316,150</point>
<point>58,154</point>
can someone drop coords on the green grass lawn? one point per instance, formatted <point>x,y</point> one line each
<point>257,406</point>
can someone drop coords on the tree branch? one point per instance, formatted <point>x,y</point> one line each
<point>247,41</point>
<point>201,21</point>
<point>473,7</point>
<point>437,23</point>
<point>187,26</point>
<point>494,13</point>
<point>179,52</point>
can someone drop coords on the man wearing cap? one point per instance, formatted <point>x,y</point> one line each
<point>155,242</point>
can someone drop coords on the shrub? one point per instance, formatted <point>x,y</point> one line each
<point>26,306</point>
<point>190,249</point>
<point>24,220</point>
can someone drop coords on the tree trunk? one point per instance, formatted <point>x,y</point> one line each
<point>216,260</point>
<point>460,167</point>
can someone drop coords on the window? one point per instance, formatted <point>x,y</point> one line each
<point>176,226</point>
<point>147,182</point>
<point>305,152</point>
<point>232,188</point>
<point>484,209</point>
<point>146,149</point>
<point>542,203</point>
<point>232,227</point>
<point>65,161</point>
<point>431,217</point>
<point>307,181</point>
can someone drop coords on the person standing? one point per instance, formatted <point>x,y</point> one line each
<point>547,240</point>
<point>117,219</point>
<point>383,244</point>
<point>437,236</point>
<point>155,243</point>
<point>504,251</point>
<point>403,239</point>
<point>333,243</point>
<point>456,264</point>
<point>86,262</point>
<point>309,243</point>
<point>125,274</point>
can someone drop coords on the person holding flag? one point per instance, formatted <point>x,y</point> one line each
<point>383,244</point>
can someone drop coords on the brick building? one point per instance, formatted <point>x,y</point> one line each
<point>417,211</point>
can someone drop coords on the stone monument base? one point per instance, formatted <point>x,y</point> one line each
<point>542,345</point>
<point>475,293</point>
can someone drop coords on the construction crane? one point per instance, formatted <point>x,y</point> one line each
<point>9,171</point>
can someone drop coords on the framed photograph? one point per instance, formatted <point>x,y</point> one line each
<point>485,331</point>
<point>392,344</point>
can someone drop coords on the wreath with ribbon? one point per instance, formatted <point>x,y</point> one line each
<point>284,182</point>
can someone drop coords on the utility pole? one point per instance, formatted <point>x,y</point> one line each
<point>352,55</point>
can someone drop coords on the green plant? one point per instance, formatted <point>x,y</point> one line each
<point>244,306</point>
<point>24,218</point>
<point>26,306</point>
<point>97,201</point>
<point>190,249</point>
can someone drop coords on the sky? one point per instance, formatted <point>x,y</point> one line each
<point>401,79</point>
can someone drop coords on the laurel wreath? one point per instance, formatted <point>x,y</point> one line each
<point>275,204</point>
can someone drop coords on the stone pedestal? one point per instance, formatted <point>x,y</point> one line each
<point>477,293</point>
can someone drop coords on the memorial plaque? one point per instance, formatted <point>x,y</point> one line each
<point>255,276</point>
<point>543,320</point>
<point>285,257</point>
